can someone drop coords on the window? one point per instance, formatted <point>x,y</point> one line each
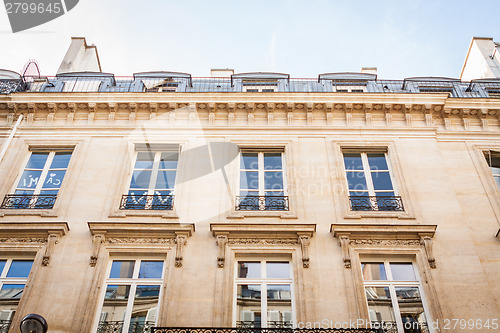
<point>13,276</point>
<point>260,85</point>
<point>394,297</point>
<point>493,93</point>
<point>349,88</point>
<point>493,159</point>
<point>369,181</point>
<point>433,90</point>
<point>263,294</point>
<point>262,181</point>
<point>131,296</point>
<point>153,181</point>
<point>40,181</point>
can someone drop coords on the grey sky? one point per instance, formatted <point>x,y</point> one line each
<point>302,38</point>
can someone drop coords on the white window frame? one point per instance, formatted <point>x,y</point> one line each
<point>263,281</point>
<point>6,280</point>
<point>133,282</point>
<point>261,171</point>
<point>154,171</point>
<point>393,284</point>
<point>45,171</point>
<point>348,88</point>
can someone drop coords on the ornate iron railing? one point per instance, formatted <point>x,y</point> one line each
<point>262,203</point>
<point>29,201</point>
<point>4,326</point>
<point>147,202</point>
<point>364,203</point>
<point>117,327</point>
<point>258,330</point>
<point>391,327</point>
<point>257,324</point>
<point>11,85</point>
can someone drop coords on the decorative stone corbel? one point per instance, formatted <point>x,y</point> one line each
<point>426,241</point>
<point>348,114</point>
<point>53,239</point>
<point>180,241</point>
<point>344,244</point>
<point>289,113</point>
<point>230,113</point>
<point>96,246</point>
<point>221,245</point>
<point>304,246</point>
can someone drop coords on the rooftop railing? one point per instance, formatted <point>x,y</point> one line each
<point>488,88</point>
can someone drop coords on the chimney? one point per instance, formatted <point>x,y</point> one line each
<point>369,70</point>
<point>80,57</point>
<point>221,72</point>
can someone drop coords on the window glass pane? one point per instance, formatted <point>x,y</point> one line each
<point>151,269</point>
<point>278,270</point>
<point>379,305</point>
<point>249,161</point>
<point>249,193</point>
<point>352,161</point>
<point>381,181</point>
<point>272,161</point>
<point>61,160</point>
<point>248,301</point>
<point>249,270</point>
<point>274,193</point>
<point>497,181</point>
<point>145,308</point>
<point>140,179</point>
<point>377,162</point>
<point>122,269</point>
<point>411,309</point>
<point>273,180</point>
<point>24,192</point>
<point>373,271</point>
<point>37,160</point>
<point>356,181</point>
<point>165,179</point>
<point>249,180</point>
<point>403,271</point>
<point>279,306</point>
<point>29,179</point>
<point>54,179</point>
<point>20,268</point>
<point>11,291</point>
<point>168,160</point>
<point>144,160</point>
<point>2,265</point>
<point>114,307</point>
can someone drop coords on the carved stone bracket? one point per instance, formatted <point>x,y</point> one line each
<point>140,235</point>
<point>384,236</point>
<point>227,234</point>
<point>34,235</point>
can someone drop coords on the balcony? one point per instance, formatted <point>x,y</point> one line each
<point>117,326</point>
<point>266,203</point>
<point>259,330</point>
<point>147,202</point>
<point>373,203</point>
<point>29,201</point>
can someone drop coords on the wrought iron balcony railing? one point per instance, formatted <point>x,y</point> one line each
<point>270,202</point>
<point>391,327</point>
<point>381,203</point>
<point>29,201</point>
<point>147,202</point>
<point>117,327</point>
<point>4,326</point>
<point>270,324</point>
<point>258,330</point>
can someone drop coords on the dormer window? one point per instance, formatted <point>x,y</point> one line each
<point>260,85</point>
<point>347,82</point>
<point>164,86</point>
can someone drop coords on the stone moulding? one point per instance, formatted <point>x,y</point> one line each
<point>33,234</point>
<point>350,235</point>
<point>139,233</point>
<point>262,234</point>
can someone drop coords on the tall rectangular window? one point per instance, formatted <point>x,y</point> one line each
<point>132,293</point>
<point>40,182</point>
<point>394,297</point>
<point>13,276</point>
<point>262,181</point>
<point>264,294</point>
<point>370,182</point>
<point>153,181</point>
<point>493,159</point>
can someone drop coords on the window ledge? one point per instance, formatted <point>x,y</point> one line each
<point>379,214</point>
<point>166,214</point>
<point>240,214</point>
<point>28,212</point>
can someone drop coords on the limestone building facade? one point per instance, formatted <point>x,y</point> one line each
<point>248,200</point>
